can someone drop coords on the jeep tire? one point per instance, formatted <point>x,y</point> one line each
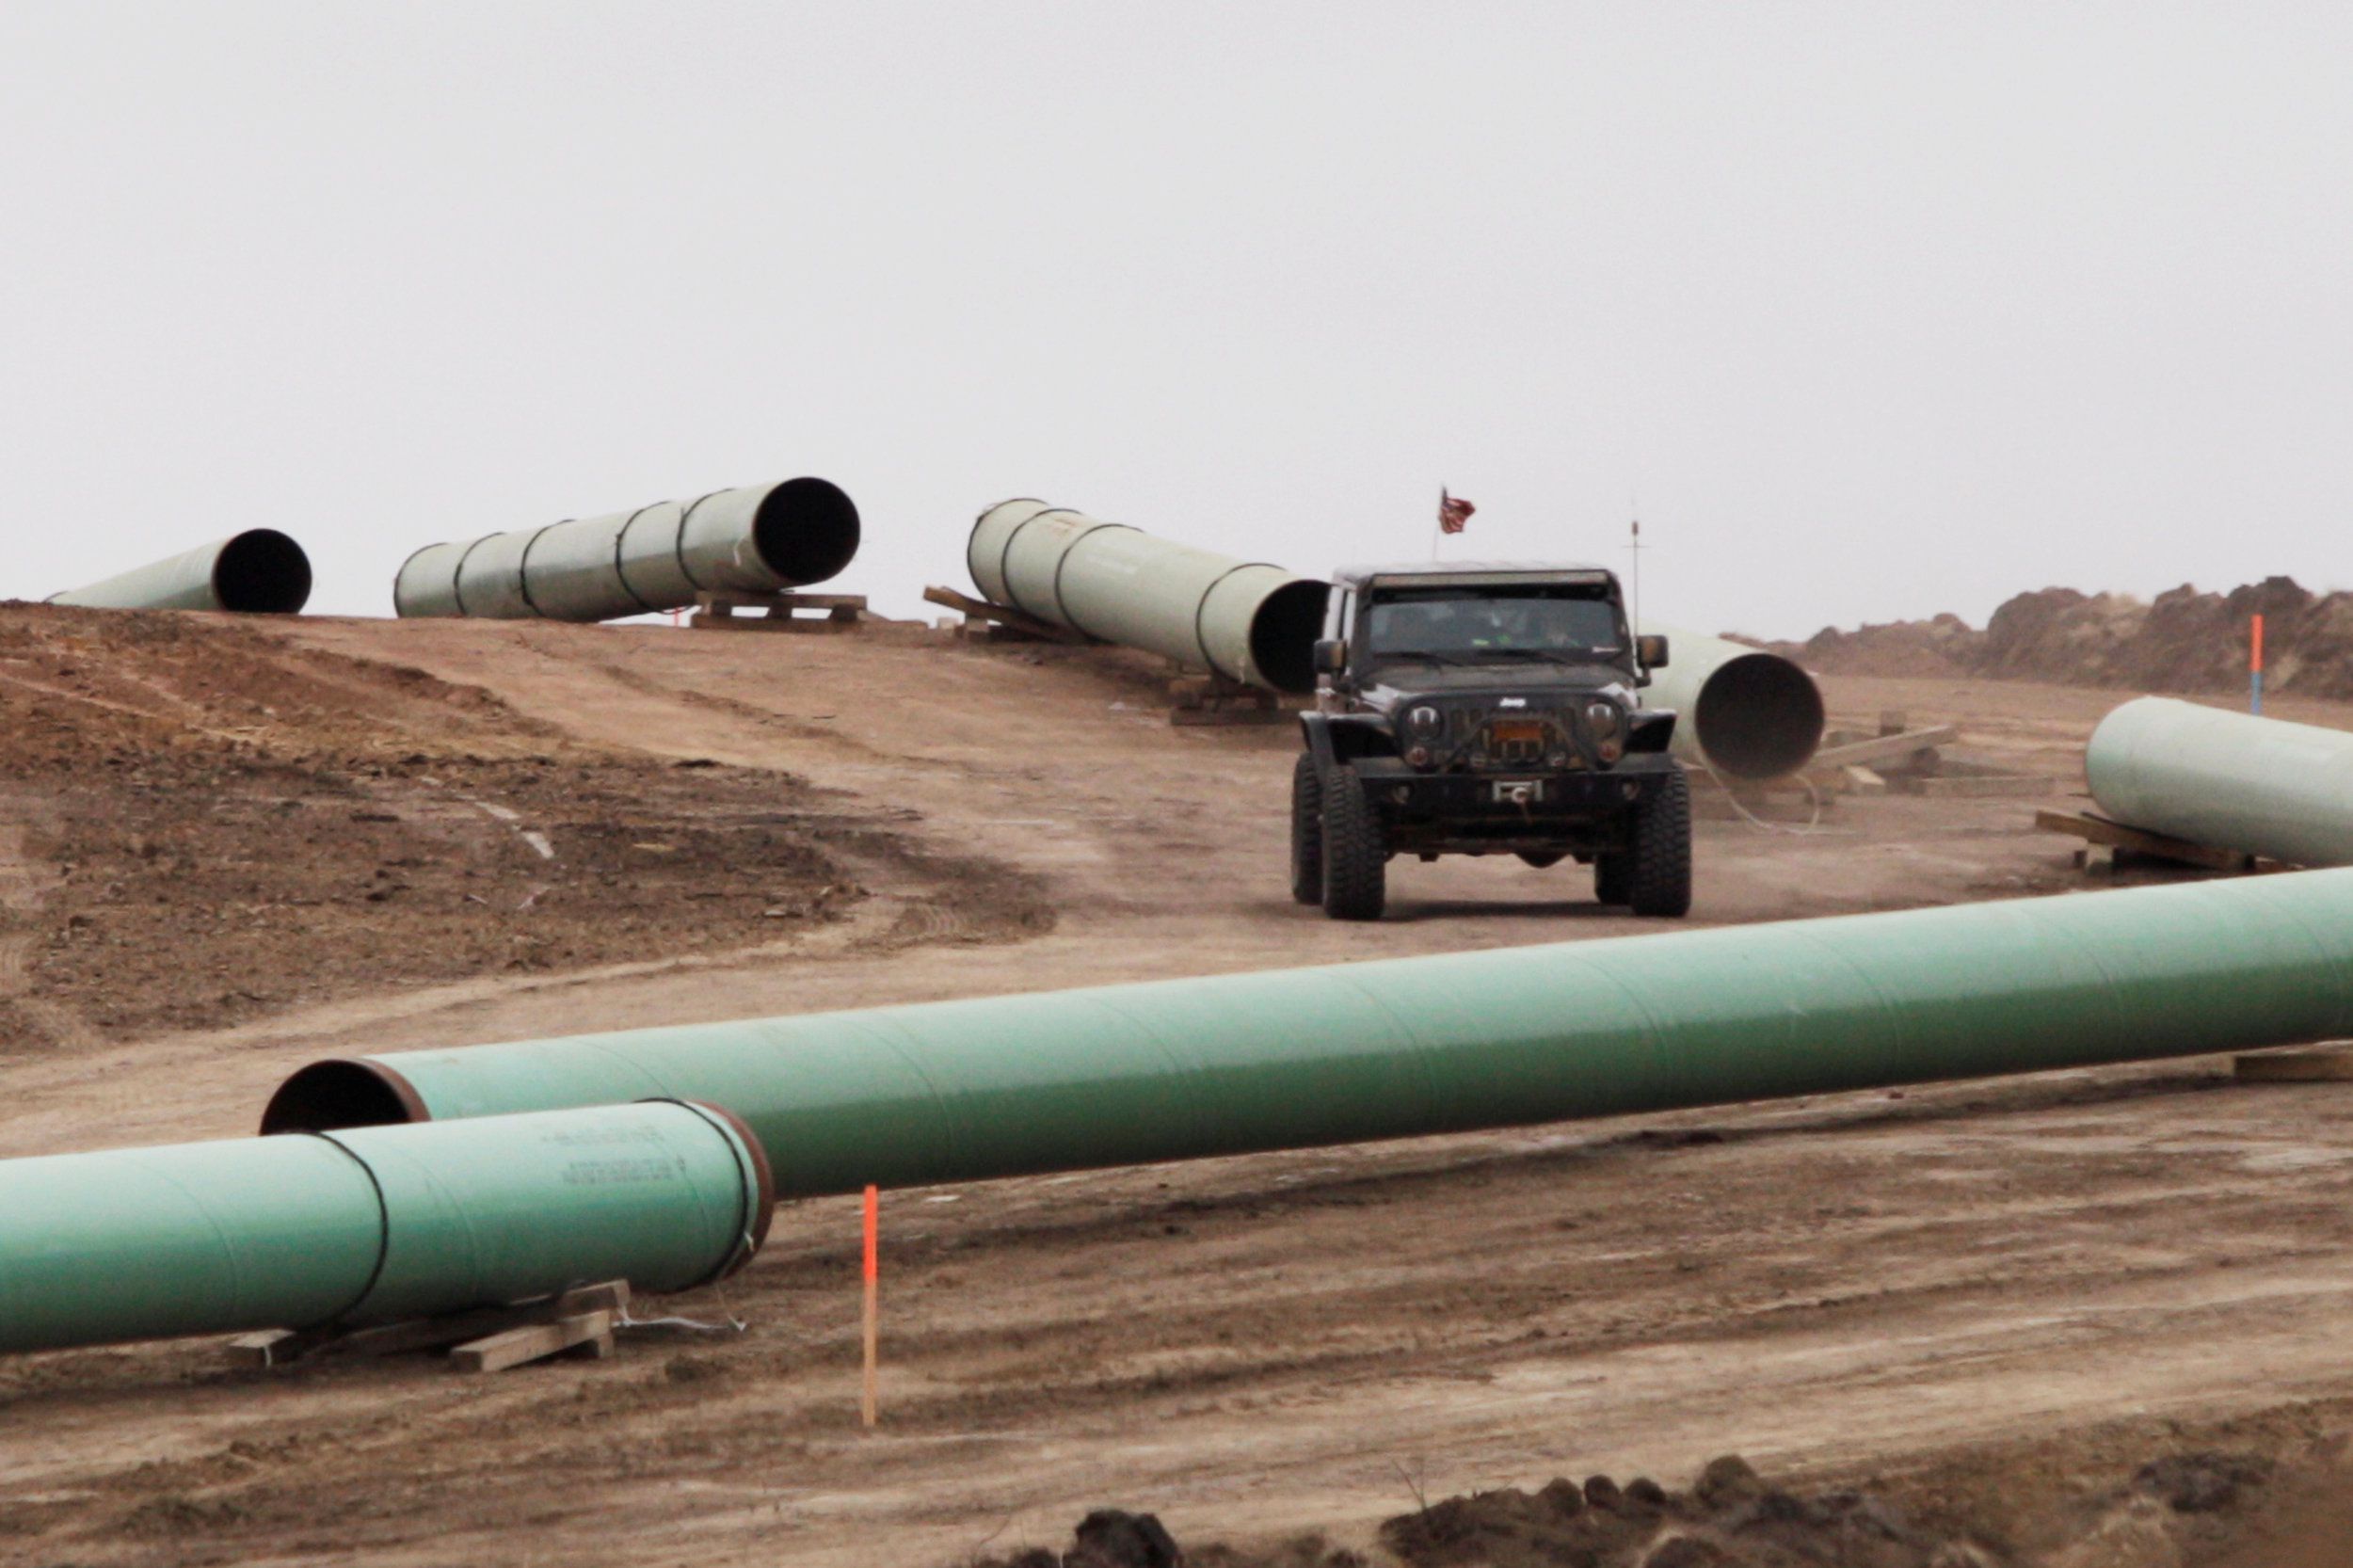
<point>1613,870</point>
<point>1543,859</point>
<point>1355,852</point>
<point>1306,831</point>
<point>1660,883</point>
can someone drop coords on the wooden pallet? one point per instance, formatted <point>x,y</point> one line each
<point>490,1339</point>
<point>2099,833</point>
<point>840,613</point>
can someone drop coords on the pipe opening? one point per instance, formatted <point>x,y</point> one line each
<point>1759,716</point>
<point>806,530</point>
<point>262,572</point>
<point>326,1096</point>
<point>1283,635</point>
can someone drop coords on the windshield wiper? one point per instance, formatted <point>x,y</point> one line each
<point>1548,655</point>
<point>1420,654</point>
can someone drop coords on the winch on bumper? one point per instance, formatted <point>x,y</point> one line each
<point>1505,810</point>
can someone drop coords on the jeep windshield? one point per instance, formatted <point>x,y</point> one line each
<point>1549,622</point>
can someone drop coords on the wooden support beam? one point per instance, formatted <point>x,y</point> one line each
<point>1883,748</point>
<point>2099,830</point>
<point>589,1331</point>
<point>841,613</point>
<point>1859,780</point>
<point>1212,699</point>
<point>2002,786</point>
<point>285,1347</point>
<point>1013,620</point>
<point>2330,1063</point>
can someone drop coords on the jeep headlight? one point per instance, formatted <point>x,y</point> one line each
<point>1425,722</point>
<point>1605,719</point>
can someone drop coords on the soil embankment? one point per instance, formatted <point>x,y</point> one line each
<point>2181,641</point>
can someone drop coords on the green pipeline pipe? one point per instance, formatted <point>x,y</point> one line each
<point>1741,711</point>
<point>2231,780</point>
<point>762,538</point>
<point>258,572</point>
<point>1245,620</point>
<point>375,1224</point>
<point>1123,1075</point>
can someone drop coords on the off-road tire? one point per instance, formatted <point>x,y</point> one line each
<point>1356,856</point>
<point>1543,859</point>
<point>1613,876</point>
<point>1660,885</point>
<point>1306,831</point>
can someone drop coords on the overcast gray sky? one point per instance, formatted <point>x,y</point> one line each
<point>1880,310</point>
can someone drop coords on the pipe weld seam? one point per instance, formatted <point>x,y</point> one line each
<point>522,568</point>
<point>1201,636</point>
<point>1005,557</point>
<point>678,543</point>
<point>620,571</point>
<point>971,566</point>
<point>746,1194</point>
<point>1068,617</point>
<point>383,1235</point>
<point>457,572</point>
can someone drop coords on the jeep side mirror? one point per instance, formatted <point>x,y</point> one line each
<point>1331,655</point>
<point>1651,651</point>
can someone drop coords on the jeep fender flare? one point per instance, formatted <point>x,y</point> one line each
<point>1650,729</point>
<point>1336,738</point>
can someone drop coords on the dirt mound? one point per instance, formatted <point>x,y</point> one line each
<point>1946,646</point>
<point>2182,640</point>
<point>2198,1510</point>
<point>206,824</point>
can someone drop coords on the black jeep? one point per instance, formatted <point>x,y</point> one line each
<point>1466,709</point>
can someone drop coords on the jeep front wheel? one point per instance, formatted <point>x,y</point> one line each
<point>1306,831</point>
<point>1355,852</point>
<point>1660,883</point>
<point>1613,875</point>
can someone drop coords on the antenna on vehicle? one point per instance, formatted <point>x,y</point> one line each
<point>1634,576</point>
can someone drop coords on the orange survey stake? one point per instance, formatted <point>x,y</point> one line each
<point>871,1204</point>
<point>866,1399</point>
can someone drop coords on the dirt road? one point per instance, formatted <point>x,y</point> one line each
<point>1851,1286</point>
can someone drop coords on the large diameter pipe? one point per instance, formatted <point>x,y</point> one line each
<point>2230,780</point>
<point>373,1225</point>
<point>1245,620</point>
<point>1743,712</point>
<point>260,572</point>
<point>762,538</point>
<point>960,1091</point>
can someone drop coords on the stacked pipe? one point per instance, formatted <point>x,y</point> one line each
<point>373,1225</point>
<point>1248,622</point>
<point>260,571</point>
<point>1744,712</point>
<point>2230,780</point>
<point>962,1091</point>
<point>762,538</point>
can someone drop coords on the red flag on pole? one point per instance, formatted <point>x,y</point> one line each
<point>1453,511</point>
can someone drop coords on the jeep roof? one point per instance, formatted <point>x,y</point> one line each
<point>1470,572</point>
